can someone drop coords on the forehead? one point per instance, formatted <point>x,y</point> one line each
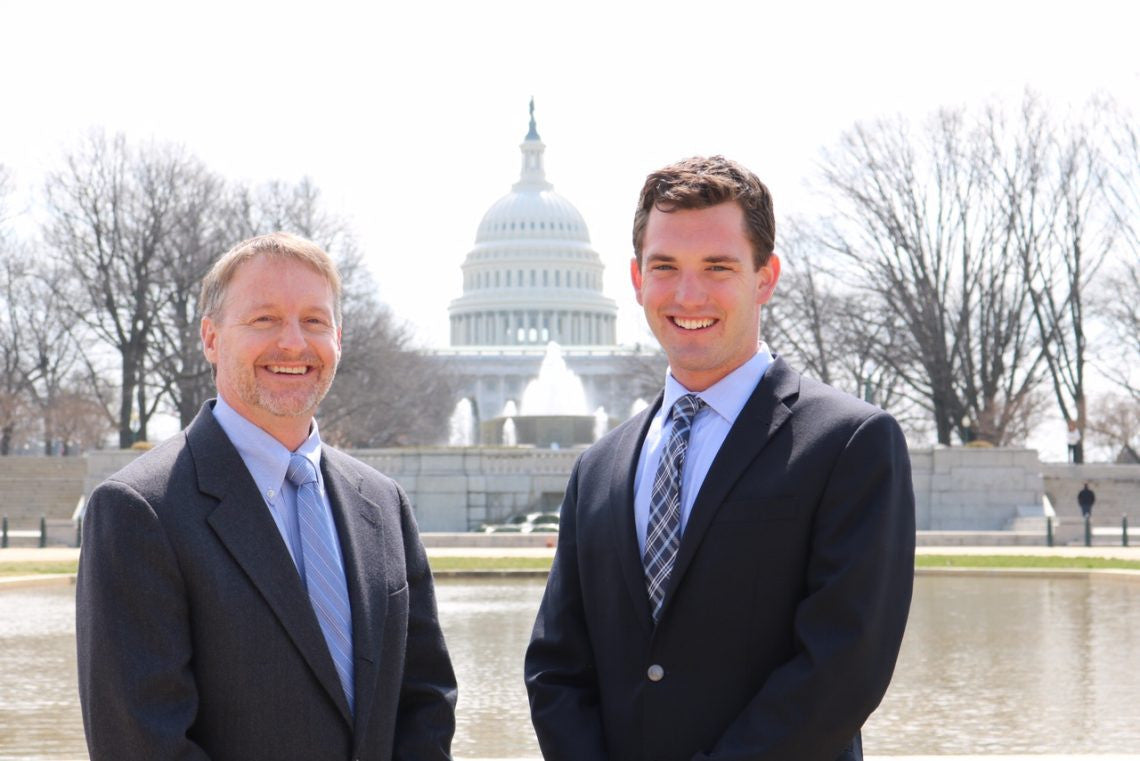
<point>721,227</point>
<point>272,280</point>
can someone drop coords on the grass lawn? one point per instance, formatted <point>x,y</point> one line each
<point>1021,561</point>
<point>490,564</point>
<point>31,568</point>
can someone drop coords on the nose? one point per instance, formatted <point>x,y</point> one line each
<point>690,291</point>
<point>291,336</point>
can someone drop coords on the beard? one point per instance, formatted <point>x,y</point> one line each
<point>287,402</point>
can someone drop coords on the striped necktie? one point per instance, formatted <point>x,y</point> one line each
<point>322,572</point>
<point>663,536</point>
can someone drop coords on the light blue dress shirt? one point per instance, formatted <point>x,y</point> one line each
<point>724,400</point>
<point>267,460</point>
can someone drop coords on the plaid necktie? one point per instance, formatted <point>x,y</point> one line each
<point>663,536</point>
<point>323,575</point>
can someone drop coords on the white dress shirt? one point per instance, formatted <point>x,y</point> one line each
<point>724,400</point>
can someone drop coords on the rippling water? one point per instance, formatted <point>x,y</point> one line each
<point>989,665</point>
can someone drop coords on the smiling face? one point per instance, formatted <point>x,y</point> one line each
<point>275,344</point>
<point>701,291</point>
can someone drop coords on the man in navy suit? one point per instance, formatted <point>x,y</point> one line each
<point>244,591</point>
<point>734,565</point>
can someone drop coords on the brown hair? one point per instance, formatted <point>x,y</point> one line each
<point>698,183</point>
<point>279,246</point>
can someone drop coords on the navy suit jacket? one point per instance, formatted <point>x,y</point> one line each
<point>786,605</point>
<point>196,636</point>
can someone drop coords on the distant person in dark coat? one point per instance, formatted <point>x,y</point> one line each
<point>1086,498</point>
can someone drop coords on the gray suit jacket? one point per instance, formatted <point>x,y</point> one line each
<point>785,608</point>
<point>196,637</point>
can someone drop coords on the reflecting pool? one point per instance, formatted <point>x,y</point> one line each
<point>989,665</point>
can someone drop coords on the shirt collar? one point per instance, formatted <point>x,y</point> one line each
<point>728,395</point>
<point>266,458</point>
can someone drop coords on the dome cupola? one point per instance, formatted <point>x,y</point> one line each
<point>532,276</point>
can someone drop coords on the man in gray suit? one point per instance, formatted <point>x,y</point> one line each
<point>734,564</point>
<point>244,591</point>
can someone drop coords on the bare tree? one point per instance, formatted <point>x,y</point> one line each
<point>81,421</point>
<point>13,396</point>
<point>1119,303</point>
<point>386,392</point>
<point>1055,183</point>
<point>204,224</point>
<point>111,217</point>
<point>922,236</point>
<point>834,333</point>
<point>52,354</point>
<point>1114,422</point>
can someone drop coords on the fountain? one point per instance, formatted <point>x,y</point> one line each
<point>557,390</point>
<point>461,425</point>
<point>601,423</point>
<point>552,412</point>
<point>510,435</point>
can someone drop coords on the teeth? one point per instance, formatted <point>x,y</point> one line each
<point>288,370</point>
<point>692,324</point>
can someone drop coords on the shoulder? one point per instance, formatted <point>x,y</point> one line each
<point>824,413</point>
<point>152,473</point>
<point>371,483</point>
<point>839,406</point>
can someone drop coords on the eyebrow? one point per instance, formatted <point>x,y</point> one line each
<point>271,307</point>
<point>710,259</point>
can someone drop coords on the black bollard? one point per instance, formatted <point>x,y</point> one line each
<point>43,531</point>
<point>1088,531</point>
<point>1124,530</point>
<point>1049,531</point>
<point>4,532</point>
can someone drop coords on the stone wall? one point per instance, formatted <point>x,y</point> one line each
<point>460,488</point>
<point>457,489</point>
<point>451,488</point>
<point>977,489</point>
<point>35,487</point>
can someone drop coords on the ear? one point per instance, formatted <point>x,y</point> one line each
<point>209,340</point>
<point>769,274</point>
<point>635,276</point>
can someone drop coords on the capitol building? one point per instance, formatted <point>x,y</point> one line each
<point>533,278</point>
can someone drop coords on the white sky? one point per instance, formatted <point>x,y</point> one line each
<point>408,115</point>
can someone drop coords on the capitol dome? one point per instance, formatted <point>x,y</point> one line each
<point>532,276</point>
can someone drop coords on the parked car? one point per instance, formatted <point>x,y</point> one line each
<point>524,523</point>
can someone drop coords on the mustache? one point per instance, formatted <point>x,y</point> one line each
<point>278,359</point>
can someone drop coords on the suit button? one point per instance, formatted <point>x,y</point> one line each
<point>655,673</point>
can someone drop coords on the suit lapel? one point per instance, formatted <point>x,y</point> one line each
<point>762,416</point>
<point>620,506</point>
<point>244,526</point>
<point>360,543</point>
